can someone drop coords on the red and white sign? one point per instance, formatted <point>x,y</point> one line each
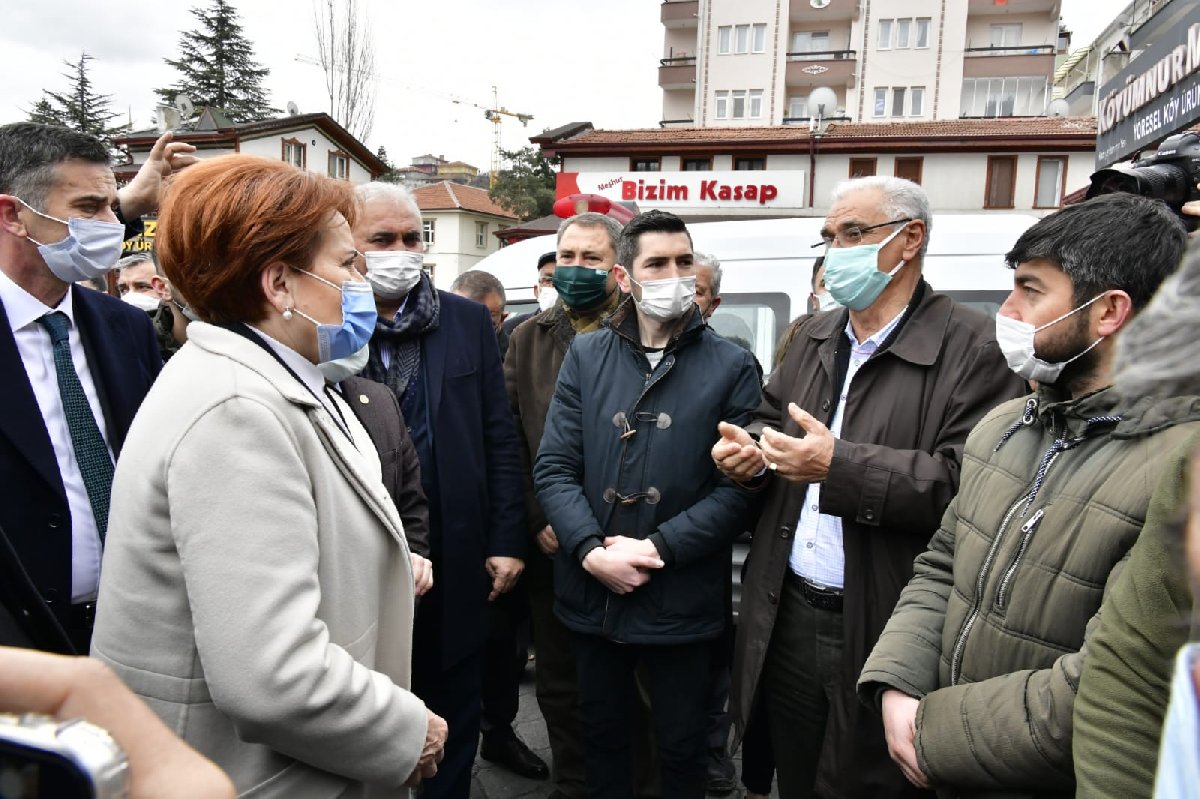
<point>724,189</point>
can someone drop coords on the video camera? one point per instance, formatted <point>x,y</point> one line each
<point>1170,174</point>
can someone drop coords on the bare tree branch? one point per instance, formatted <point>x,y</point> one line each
<point>346,52</point>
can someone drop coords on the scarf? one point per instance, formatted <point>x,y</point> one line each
<point>403,337</point>
<point>590,321</point>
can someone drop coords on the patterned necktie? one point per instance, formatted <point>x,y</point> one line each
<point>95,464</point>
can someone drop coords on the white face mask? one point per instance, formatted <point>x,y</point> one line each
<point>1016,340</point>
<point>666,299</point>
<point>89,250</point>
<point>393,273</point>
<point>339,370</point>
<point>826,302</point>
<point>137,299</point>
<point>547,296</point>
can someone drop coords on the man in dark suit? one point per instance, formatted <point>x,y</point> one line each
<point>75,365</point>
<point>437,353</point>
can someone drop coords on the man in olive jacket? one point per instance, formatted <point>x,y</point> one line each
<point>884,393</point>
<point>976,671</point>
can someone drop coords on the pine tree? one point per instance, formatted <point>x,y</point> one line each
<point>80,107</point>
<point>526,187</point>
<point>217,67</point>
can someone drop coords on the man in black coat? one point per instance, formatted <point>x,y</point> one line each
<point>437,353</point>
<point>75,365</point>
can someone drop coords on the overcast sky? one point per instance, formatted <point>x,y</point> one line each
<point>560,60</point>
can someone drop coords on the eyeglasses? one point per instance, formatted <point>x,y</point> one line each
<point>852,236</point>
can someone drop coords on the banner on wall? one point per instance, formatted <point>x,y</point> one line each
<point>692,190</point>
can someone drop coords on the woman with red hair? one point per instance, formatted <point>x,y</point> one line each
<point>257,589</point>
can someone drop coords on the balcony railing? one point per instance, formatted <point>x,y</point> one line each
<point>680,13</point>
<point>1006,50</point>
<point>823,55</point>
<point>678,61</point>
<point>678,72</point>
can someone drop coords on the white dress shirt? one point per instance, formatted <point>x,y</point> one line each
<point>817,553</point>
<point>33,343</point>
<point>312,378</point>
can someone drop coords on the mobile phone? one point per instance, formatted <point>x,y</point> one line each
<point>44,758</point>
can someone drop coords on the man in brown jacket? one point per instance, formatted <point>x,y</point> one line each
<point>587,250</point>
<point>862,428</point>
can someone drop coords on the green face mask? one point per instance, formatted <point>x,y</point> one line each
<point>581,287</point>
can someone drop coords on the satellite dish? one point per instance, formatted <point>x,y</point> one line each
<point>822,102</point>
<point>1058,108</point>
<point>292,109</point>
<point>183,104</point>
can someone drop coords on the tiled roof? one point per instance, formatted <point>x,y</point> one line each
<point>950,128</point>
<point>447,196</point>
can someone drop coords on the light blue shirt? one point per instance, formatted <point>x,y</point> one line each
<point>1179,755</point>
<point>817,554</point>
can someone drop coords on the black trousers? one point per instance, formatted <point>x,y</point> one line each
<point>678,681</point>
<point>505,654</point>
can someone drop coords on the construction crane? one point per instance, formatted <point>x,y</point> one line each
<point>493,114</point>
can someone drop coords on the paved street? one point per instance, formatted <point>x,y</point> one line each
<point>492,782</point>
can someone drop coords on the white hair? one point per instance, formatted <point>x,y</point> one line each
<point>710,261</point>
<point>902,199</point>
<point>365,192</point>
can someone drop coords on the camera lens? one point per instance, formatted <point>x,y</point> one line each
<point>1165,182</point>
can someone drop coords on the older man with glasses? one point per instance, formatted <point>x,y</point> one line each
<point>857,448</point>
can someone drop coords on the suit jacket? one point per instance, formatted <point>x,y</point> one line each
<point>122,354</point>
<point>257,590</point>
<point>473,482</point>
<point>379,412</point>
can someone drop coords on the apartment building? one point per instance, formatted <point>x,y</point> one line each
<point>751,63</point>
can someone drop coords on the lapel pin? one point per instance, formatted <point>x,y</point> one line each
<point>364,399</point>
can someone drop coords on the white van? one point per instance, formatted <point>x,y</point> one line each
<point>767,267</point>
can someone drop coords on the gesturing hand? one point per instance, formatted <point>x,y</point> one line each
<point>900,730</point>
<point>143,194</point>
<point>736,454</point>
<point>801,460</point>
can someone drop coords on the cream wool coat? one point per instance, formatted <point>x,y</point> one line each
<point>256,588</point>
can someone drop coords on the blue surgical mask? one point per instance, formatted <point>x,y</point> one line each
<point>89,251</point>
<point>852,273</point>
<point>358,320</point>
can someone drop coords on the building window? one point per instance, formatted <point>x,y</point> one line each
<point>880,107</point>
<point>810,42</point>
<point>428,227</point>
<point>755,103</point>
<point>902,29</point>
<point>1004,97</point>
<point>722,105</point>
<point>697,164</point>
<point>1006,34</point>
<point>922,26</point>
<point>760,38</point>
<point>749,163</point>
<point>862,167</point>
<point>724,36</point>
<point>916,102</point>
<point>798,108</point>
<point>481,231</point>
<point>295,152</point>
<point>1001,181</point>
<point>339,165</point>
<point>1051,179</point>
<point>885,34</point>
<point>741,39</point>
<point>738,106</point>
<point>908,168</point>
<point>898,94</point>
<point>645,164</point>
